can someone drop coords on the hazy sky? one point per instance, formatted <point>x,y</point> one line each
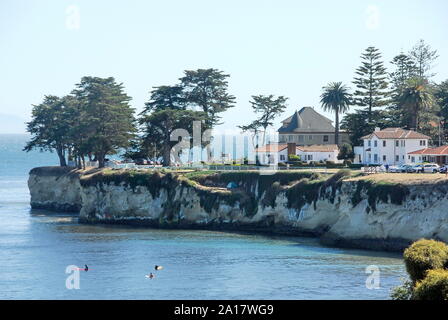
<point>290,48</point>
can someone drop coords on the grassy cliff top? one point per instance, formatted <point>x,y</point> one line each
<point>55,171</point>
<point>403,178</point>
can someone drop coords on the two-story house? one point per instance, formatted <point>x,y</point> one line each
<point>308,127</point>
<point>390,146</point>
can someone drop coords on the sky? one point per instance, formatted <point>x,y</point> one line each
<point>291,48</point>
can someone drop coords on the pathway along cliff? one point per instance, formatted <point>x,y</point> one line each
<point>342,209</point>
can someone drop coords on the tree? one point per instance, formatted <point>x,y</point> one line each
<point>336,98</point>
<point>415,98</point>
<point>158,126</point>
<point>404,70</point>
<point>206,90</point>
<point>107,118</point>
<point>371,81</point>
<point>164,97</point>
<point>346,152</point>
<point>268,108</point>
<point>357,124</point>
<point>423,58</point>
<point>441,97</point>
<point>49,127</point>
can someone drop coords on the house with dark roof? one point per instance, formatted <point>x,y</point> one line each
<point>390,146</point>
<point>279,152</point>
<point>308,127</point>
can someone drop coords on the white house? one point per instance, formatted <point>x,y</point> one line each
<point>272,153</point>
<point>389,146</point>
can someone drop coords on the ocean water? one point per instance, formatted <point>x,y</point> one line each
<point>36,247</point>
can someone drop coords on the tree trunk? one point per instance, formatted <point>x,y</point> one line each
<point>336,129</point>
<point>100,158</point>
<point>166,155</point>
<point>61,155</point>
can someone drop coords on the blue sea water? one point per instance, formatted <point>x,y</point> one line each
<point>37,246</point>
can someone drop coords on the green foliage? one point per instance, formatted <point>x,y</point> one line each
<point>371,81</point>
<point>403,292</point>
<point>336,98</point>
<point>206,89</point>
<point>103,119</point>
<point>159,126</point>
<point>268,108</point>
<point>379,191</point>
<point>414,99</point>
<point>346,152</point>
<point>424,255</point>
<point>423,58</point>
<point>293,157</point>
<point>50,127</point>
<point>433,287</point>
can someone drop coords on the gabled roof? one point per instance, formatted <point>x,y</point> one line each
<point>306,120</point>
<point>318,148</point>
<point>396,133</point>
<point>442,150</point>
<point>277,147</point>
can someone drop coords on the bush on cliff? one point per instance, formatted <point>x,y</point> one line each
<point>433,287</point>
<point>424,255</point>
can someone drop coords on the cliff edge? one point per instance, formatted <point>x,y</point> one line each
<point>342,209</point>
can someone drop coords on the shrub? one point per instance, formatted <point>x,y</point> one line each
<point>293,157</point>
<point>403,292</point>
<point>424,255</point>
<point>433,287</point>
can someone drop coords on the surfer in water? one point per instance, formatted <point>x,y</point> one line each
<point>86,268</point>
<point>156,267</point>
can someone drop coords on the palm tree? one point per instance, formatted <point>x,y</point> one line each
<point>336,98</point>
<point>415,98</point>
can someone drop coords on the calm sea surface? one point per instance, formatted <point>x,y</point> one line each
<point>37,246</point>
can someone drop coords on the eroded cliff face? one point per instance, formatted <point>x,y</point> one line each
<point>341,213</point>
<point>55,188</point>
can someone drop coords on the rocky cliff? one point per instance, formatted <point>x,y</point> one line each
<point>340,209</point>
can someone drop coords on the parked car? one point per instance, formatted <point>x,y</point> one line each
<point>402,168</point>
<point>443,169</point>
<point>427,167</point>
<point>407,168</point>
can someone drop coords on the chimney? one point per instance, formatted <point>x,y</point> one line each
<point>377,129</point>
<point>291,148</point>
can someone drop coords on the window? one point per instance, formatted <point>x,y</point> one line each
<point>375,158</point>
<point>397,144</point>
<point>375,143</point>
<point>424,142</point>
<point>384,143</point>
<point>384,157</point>
<point>397,158</point>
<point>325,138</point>
<point>290,138</point>
<point>369,143</point>
<point>282,157</point>
<point>403,143</point>
<point>310,137</point>
<point>412,159</point>
<point>300,138</point>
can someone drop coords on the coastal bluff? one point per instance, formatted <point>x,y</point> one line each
<point>343,209</point>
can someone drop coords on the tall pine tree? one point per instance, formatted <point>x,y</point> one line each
<point>371,82</point>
